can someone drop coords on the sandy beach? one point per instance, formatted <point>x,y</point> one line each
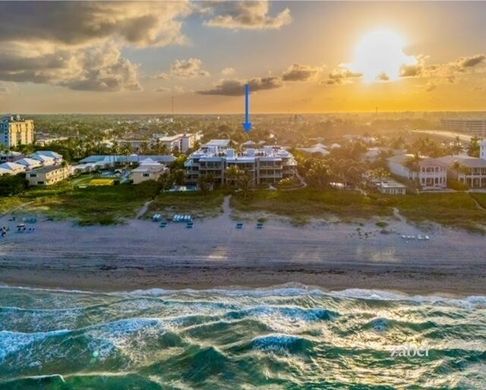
<point>140,254</point>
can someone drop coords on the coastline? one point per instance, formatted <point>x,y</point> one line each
<point>214,254</point>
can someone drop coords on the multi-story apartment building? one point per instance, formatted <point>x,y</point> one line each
<point>48,175</point>
<point>473,126</point>
<point>267,165</point>
<point>182,142</point>
<point>16,131</point>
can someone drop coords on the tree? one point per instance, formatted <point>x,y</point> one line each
<point>11,185</point>
<point>205,182</point>
<point>474,147</point>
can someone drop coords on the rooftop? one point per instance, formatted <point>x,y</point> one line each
<point>47,169</point>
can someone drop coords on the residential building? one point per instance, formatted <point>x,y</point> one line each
<point>29,163</point>
<point>10,156</point>
<point>147,170</point>
<point>472,126</point>
<point>429,173</point>
<point>110,161</point>
<point>48,175</point>
<point>12,168</point>
<point>43,139</point>
<point>48,157</point>
<point>267,165</point>
<point>182,142</point>
<point>468,170</point>
<point>391,187</point>
<point>16,131</point>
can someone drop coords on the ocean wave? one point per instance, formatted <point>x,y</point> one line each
<point>282,343</point>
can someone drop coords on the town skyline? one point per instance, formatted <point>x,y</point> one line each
<point>306,57</point>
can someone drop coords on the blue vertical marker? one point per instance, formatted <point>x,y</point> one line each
<point>247,123</point>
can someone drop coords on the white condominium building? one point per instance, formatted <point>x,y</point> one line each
<point>267,165</point>
<point>182,142</point>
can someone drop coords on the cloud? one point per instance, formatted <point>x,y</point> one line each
<point>249,15</point>
<point>100,68</point>
<point>469,62</point>
<point>80,23</point>
<point>298,72</point>
<point>177,89</point>
<point>447,71</point>
<point>341,76</point>
<point>78,45</point>
<point>187,69</point>
<point>237,87</point>
<point>228,71</point>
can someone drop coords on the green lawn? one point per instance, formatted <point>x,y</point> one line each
<point>195,203</point>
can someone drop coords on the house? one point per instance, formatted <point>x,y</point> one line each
<point>48,175</point>
<point>47,157</point>
<point>12,168</point>
<point>109,161</point>
<point>267,165</point>
<point>429,173</point>
<point>4,171</point>
<point>391,187</point>
<point>10,156</point>
<point>317,148</point>
<point>148,170</point>
<point>29,163</point>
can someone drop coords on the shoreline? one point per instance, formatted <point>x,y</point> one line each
<point>415,282</point>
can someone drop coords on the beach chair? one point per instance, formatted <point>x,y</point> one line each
<point>239,225</point>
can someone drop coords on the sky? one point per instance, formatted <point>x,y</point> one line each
<point>307,57</point>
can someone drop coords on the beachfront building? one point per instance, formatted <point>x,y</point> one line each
<point>429,173</point>
<point>48,175</point>
<point>147,170</point>
<point>267,165</point>
<point>391,187</point>
<point>182,142</point>
<point>16,131</point>
<point>470,171</point>
<point>95,162</point>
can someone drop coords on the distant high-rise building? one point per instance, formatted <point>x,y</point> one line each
<point>16,131</point>
<point>472,126</point>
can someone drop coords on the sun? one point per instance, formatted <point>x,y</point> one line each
<point>379,56</point>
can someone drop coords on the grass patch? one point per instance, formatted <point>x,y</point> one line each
<point>449,209</point>
<point>196,203</point>
<point>302,204</point>
<point>88,206</point>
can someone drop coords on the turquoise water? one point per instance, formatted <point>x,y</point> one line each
<point>289,337</point>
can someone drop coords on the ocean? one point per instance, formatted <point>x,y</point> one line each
<point>287,337</point>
